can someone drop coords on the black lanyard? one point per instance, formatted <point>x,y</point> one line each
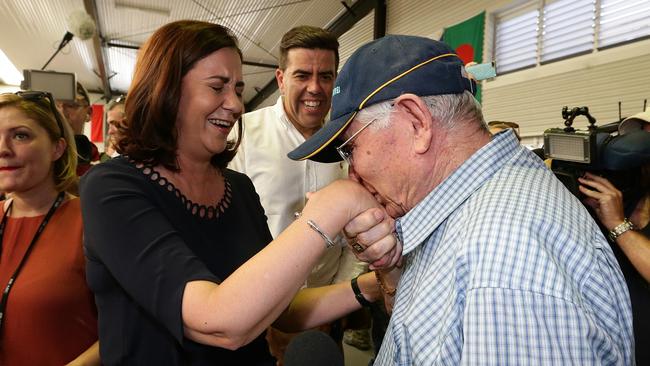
<point>48,216</point>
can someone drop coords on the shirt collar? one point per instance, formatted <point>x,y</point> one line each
<point>439,204</point>
<point>278,108</point>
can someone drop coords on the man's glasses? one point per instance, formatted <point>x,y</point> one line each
<point>38,96</point>
<point>345,149</point>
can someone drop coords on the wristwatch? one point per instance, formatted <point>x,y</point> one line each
<point>620,229</point>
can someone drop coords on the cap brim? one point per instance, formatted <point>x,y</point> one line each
<point>320,146</point>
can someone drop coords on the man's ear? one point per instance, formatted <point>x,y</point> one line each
<point>418,115</point>
<point>279,77</point>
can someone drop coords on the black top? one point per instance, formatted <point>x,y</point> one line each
<point>144,241</point>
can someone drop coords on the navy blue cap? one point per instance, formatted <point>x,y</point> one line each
<point>383,70</point>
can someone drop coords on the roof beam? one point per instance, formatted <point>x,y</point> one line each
<point>91,9</point>
<point>380,19</point>
<point>249,63</point>
<point>338,27</point>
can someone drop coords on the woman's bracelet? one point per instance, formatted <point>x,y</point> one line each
<point>382,285</point>
<point>329,243</point>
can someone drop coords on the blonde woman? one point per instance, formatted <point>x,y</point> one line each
<point>48,315</point>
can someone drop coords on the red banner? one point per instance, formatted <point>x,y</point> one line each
<point>97,123</point>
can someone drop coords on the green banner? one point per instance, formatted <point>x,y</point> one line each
<point>466,39</point>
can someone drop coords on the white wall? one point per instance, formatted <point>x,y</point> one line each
<point>534,97</point>
<point>8,88</point>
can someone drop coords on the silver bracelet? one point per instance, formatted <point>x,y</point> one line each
<point>329,243</point>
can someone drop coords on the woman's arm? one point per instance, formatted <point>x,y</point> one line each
<point>607,202</point>
<point>312,307</point>
<point>316,306</point>
<point>636,247</point>
<point>90,357</point>
<point>255,295</point>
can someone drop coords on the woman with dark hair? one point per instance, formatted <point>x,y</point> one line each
<point>177,244</point>
<point>47,312</point>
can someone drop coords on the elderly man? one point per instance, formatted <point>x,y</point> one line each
<point>503,266</point>
<point>115,118</point>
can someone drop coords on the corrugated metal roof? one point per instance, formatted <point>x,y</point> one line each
<point>37,27</point>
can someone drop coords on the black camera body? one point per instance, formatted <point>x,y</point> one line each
<point>597,150</point>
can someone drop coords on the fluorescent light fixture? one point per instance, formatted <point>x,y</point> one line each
<point>8,72</point>
<point>148,9</point>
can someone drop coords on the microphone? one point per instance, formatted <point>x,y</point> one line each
<point>81,25</point>
<point>313,348</point>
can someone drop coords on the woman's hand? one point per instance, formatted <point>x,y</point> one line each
<point>371,234</point>
<point>341,197</point>
<point>370,228</point>
<point>604,198</point>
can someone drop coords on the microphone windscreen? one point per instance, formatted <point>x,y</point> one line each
<point>313,348</point>
<point>81,24</point>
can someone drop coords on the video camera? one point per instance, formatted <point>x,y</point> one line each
<point>597,150</point>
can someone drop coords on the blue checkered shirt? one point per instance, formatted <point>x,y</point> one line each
<point>505,267</point>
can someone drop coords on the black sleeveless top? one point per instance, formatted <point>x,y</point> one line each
<point>144,241</point>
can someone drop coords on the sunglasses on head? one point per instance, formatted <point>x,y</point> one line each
<point>39,96</point>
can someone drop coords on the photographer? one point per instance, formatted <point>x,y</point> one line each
<point>625,221</point>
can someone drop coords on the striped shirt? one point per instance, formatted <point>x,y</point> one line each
<point>505,267</point>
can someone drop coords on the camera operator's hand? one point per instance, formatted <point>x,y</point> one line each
<point>604,198</point>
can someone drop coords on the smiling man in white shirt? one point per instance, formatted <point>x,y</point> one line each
<point>308,64</point>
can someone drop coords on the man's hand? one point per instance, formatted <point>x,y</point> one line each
<point>604,198</point>
<point>371,234</point>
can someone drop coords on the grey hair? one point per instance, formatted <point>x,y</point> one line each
<point>448,109</point>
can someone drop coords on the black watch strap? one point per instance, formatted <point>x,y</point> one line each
<point>357,293</point>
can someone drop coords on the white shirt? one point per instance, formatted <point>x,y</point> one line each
<point>282,183</point>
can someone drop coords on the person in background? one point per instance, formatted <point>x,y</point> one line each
<point>308,65</point>
<point>497,126</point>
<point>115,118</point>
<point>179,254</point>
<point>77,113</point>
<point>48,313</point>
<point>625,220</point>
<point>502,265</point>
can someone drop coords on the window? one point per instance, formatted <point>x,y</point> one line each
<point>623,20</point>
<point>567,28</point>
<point>516,40</point>
<point>542,31</point>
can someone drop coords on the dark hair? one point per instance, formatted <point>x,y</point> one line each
<point>305,36</point>
<point>150,134</point>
